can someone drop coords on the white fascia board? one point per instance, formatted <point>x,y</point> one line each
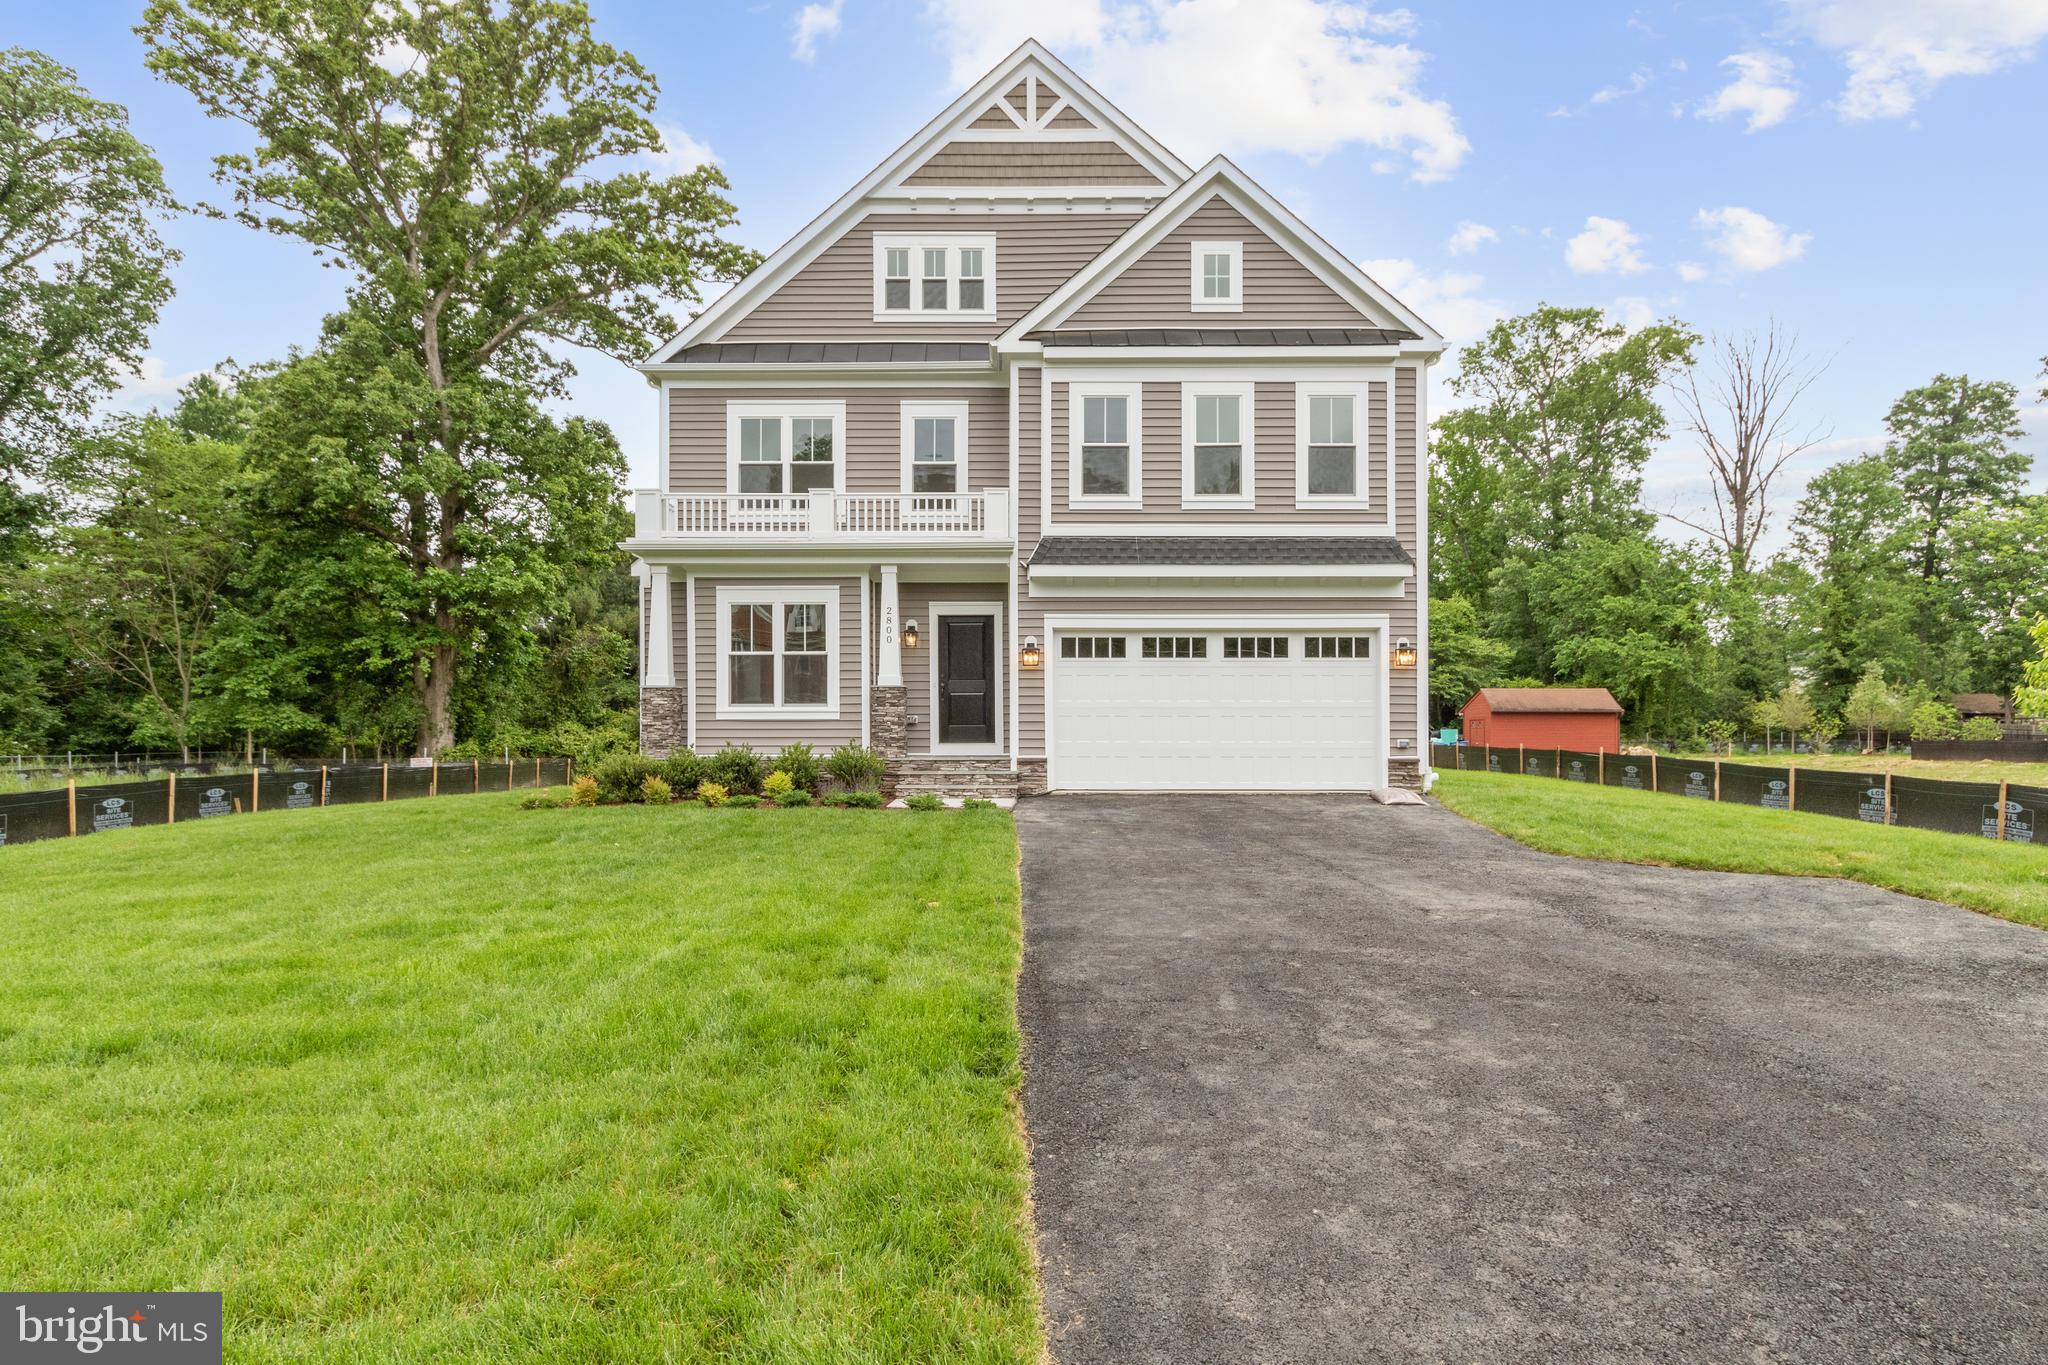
<point>1195,355</point>
<point>812,239</point>
<point>1221,176</point>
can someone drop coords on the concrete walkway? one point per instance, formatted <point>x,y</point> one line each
<point>1311,1079</point>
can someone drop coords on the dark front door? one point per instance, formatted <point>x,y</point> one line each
<point>967,650</point>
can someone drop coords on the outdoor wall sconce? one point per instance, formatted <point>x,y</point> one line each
<point>1031,656</point>
<point>910,635</point>
<point>1404,653</point>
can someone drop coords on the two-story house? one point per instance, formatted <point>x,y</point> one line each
<point>1042,460</point>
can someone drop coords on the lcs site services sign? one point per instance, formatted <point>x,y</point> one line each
<point>147,1329</point>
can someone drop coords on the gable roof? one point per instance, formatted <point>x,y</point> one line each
<point>1021,71</point>
<point>1548,700</point>
<point>1221,177</point>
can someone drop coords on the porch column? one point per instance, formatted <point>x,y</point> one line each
<point>889,666</point>
<point>658,668</point>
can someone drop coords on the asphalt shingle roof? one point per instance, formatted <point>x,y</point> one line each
<point>1228,336</point>
<point>1547,700</point>
<point>1140,551</point>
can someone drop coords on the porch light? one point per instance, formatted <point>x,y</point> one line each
<point>910,635</point>
<point>1404,653</point>
<point>1030,656</point>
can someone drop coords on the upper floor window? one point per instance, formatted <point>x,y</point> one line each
<point>1329,471</point>
<point>1105,462</point>
<point>1216,450</point>
<point>934,447</point>
<point>783,448</point>
<point>955,276</point>
<point>1217,277</point>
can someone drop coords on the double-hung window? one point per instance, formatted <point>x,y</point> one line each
<point>1330,470</point>
<point>778,449</point>
<point>934,276</point>
<point>775,649</point>
<point>1216,446</point>
<point>1216,277</point>
<point>1105,460</point>
<point>935,448</point>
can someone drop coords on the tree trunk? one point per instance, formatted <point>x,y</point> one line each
<point>435,683</point>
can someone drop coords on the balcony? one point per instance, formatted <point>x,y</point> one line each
<point>810,518</point>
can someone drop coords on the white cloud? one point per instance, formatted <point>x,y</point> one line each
<point>1605,245</point>
<point>1633,310</point>
<point>680,153</point>
<point>1898,50</point>
<point>1470,237</point>
<point>812,23</point>
<point>1308,77</point>
<point>1450,302</point>
<point>1763,90</point>
<point>1692,272</point>
<point>1747,240</point>
<point>150,381</point>
<point>1637,83</point>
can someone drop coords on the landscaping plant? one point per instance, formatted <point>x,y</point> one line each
<point>856,767</point>
<point>801,764</point>
<point>656,792</point>
<point>925,801</point>
<point>620,777</point>
<point>739,770</point>
<point>777,785</point>
<point>583,791</point>
<point>793,799</point>
<point>682,771</point>
<point>712,794</point>
<point>743,801</point>
<point>1980,729</point>
<point>860,800</point>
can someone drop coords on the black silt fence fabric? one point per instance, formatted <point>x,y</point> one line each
<point>2026,815</point>
<point>1748,784</point>
<point>1693,777</point>
<point>1581,767</point>
<point>292,789</point>
<point>1953,807</point>
<point>1851,796</point>
<point>408,781</point>
<point>1486,758</point>
<point>457,779</point>
<point>210,798</point>
<point>125,805</point>
<point>1631,771</point>
<point>554,771</point>
<point>1539,762</point>
<point>1443,756</point>
<point>28,816</point>
<point>351,786</point>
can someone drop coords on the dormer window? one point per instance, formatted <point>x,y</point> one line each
<point>1217,277</point>
<point>954,279</point>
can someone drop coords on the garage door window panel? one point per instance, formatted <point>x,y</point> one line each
<point>1255,646</point>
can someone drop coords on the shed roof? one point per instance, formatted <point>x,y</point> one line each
<point>1570,700</point>
<point>1978,703</point>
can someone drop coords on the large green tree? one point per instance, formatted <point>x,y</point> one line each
<point>1560,412</point>
<point>1952,450</point>
<point>1852,533</point>
<point>469,163</point>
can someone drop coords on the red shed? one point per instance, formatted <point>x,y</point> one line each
<point>1584,718</point>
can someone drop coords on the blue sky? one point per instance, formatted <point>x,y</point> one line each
<point>1868,172</point>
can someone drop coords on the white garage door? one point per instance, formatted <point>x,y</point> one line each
<point>1186,709</point>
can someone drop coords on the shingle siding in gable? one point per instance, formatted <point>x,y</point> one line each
<point>833,298</point>
<point>1279,291</point>
<point>1031,163</point>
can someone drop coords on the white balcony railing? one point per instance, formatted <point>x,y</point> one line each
<point>822,516</point>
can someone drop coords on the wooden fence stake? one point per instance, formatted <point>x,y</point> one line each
<point>1653,771</point>
<point>255,791</point>
<point>384,786</point>
<point>1522,759</point>
<point>1887,796</point>
<point>476,775</point>
<point>536,770</point>
<point>1603,766</point>
<point>508,774</point>
<point>1717,779</point>
<point>71,806</point>
<point>323,784</point>
<point>1559,774</point>
<point>171,802</point>
<point>2003,788</point>
<point>1792,786</point>
<point>434,779</point>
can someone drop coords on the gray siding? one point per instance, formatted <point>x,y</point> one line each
<point>872,444</point>
<point>915,601</point>
<point>833,298</point>
<point>1031,163</point>
<point>1273,461</point>
<point>1030,454</point>
<point>1279,291</point>
<point>768,733</point>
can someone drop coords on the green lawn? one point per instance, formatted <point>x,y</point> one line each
<point>448,1081</point>
<point>2007,880</point>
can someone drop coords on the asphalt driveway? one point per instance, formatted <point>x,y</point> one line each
<point>1311,1079</point>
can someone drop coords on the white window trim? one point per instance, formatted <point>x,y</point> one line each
<point>998,655</point>
<point>736,410</point>
<point>1247,495</point>
<point>953,243</point>
<point>914,409</point>
<point>1360,395</point>
<point>1233,304</point>
<point>1134,398</point>
<point>780,596</point>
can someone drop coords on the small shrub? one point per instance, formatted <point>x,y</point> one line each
<point>1979,729</point>
<point>545,799</point>
<point>745,801</point>
<point>856,767</point>
<point>925,801</point>
<point>977,803</point>
<point>837,800</point>
<point>736,769</point>
<point>682,772</point>
<point>583,791</point>
<point>712,794</point>
<point>791,800</point>
<point>861,800</point>
<point>801,764</point>
<point>777,785</point>
<point>655,791</point>
<point>1935,720</point>
<point>619,777</point>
